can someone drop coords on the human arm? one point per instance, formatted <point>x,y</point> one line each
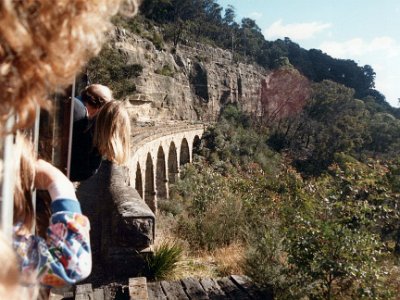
<point>65,256</point>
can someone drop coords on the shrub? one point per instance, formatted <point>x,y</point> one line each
<point>134,25</point>
<point>166,70</point>
<point>317,237</point>
<point>111,68</point>
<point>157,41</point>
<point>327,254</point>
<point>321,247</point>
<point>170,206</point>
<point>214,212</point>
<point>265,261</point>
<point>164,260</point>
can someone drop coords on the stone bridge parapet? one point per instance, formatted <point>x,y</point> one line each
<point>157,153</point>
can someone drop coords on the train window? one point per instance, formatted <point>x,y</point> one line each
<point>51,136</point>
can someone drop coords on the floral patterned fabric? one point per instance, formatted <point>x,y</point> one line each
<point>65,256</point>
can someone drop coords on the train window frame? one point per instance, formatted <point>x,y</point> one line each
<point>61,121</point>
<point>7,182</point>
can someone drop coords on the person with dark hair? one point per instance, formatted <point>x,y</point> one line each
<point>85,158</point>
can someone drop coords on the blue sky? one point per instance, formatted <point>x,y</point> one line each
<point>366,31</point>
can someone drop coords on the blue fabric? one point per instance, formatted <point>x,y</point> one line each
<point>65,205</point>
<point>63,256</point>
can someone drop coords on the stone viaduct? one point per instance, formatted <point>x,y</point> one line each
<point>156,156</point>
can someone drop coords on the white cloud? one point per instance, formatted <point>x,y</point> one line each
<point>382,53</point>
<point>387,84</point>
<point>357,47</point>
<point>295,31</point>
<point>255,15</point>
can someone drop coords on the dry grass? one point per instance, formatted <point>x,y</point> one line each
<point>164,225</point>
<point>211,264</point>
<point>221,262</point>
<point>196,265</point>
<point>229,259</point>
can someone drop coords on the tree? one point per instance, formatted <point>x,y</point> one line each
<point>333,122</point>
<point>300,59</point>
<point>111,68</point>
<point>283,94</point>
<point>230,15</point>
<point>270,52</point>
<point>251,38</point>
<point>320,246</point>
<point>385,132</point>
<point>330,256</point>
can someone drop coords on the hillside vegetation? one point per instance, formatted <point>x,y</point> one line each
<point>331,235</point>
<point>309,189</point>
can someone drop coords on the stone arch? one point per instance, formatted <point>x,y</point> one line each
<point>161,178</point>
<point>139,181</point>
<point>173,170</point>
<point>184,153</point>
<point>196,145</point>
<point>149,191</point>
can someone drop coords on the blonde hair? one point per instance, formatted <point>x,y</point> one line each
<point>42,46</point>
<point>25,159</point>
<point>112,132</point>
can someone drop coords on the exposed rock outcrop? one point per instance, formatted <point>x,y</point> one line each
<point>188,83</point>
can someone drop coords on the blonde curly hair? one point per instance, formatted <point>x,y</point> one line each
<point>43,44</point>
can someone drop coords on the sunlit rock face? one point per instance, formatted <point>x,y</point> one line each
<point>187,83</point>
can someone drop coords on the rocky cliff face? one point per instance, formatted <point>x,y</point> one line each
<point>187,83</point>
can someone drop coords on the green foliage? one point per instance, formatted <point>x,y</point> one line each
<point>334,122</point>
<point>367,197</point>
<point>322,243</point>
<point>234,142</point>
<point>170,207</point>
<point>332,235</point>
<point>317,260</point>
<point>384,133</point>
<point>265,259</point>
<point>281,62</point>
<point>234,115</point>
<point>158,41</point>
<point>166,70</point>
<point>112,69</point>
<point>134,25</point>
<point>215,213</point>
<point>164,260</point>
<point>328,254</point>
<point>394,176</point>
